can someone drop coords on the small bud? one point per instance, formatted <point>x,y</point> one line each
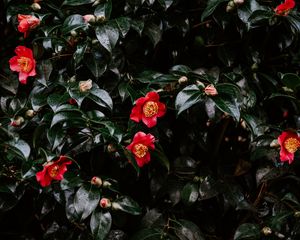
<point>115,206</point>
<point>100,19</point>
<point>72,101</point>
<point>96,3</point>
<point>266,231</point>
<point>73,33</point>
<point>85,86</point>
<point>274,144</point>
<point>297,214</point>
<point>200,84</point>
<point>182,80</point>
<point>30,113</point>
<point>17,121</point>
<point>254,67</point>
<point>111,148</point>
<point>72,79</point>
<point>238,2</point>
<point>89,18</point>
<point>243,124</point>
<point>196,179</point>
<point>95,41</point>
<point>106,184</point>
<point>35,6</point>
<point>96,181</point>
<point>230,6</point>
<point>105,203</point>
<point>210,90</point>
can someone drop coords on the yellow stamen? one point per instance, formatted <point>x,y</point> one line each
<point>54,171</point>
<point>140,150</point>
<point>150,109</point>
<point>25,64</point>
<point>291,144</point>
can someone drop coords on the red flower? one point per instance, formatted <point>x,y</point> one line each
<point>283,9</point>
<point>27,23</point>
<point>53,171</point>
<point>147,109</point>
<point>72,101</point>
<point>23,63</point>
<point>140,146</point>
<point>289,144</point>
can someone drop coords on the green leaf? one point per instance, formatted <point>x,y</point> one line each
<point>37,97</point>
<point>227,105</point>
<point>56,99</point>
<point>188,97</point>
<point>126,204</point>
<point>9,83</point>
<point>100,224</point>
<point>95,116</point>
<point>67,116</point>
<point>101,97</point>
<point>148,234</point>
<point>104,9</point>
<point>137,25</point>
<point>79,53</point>
<point>153,32</point>
<point>44,69</point>
<point>189,194</point>
<point>55,136</point>
<point>123,24</point>
<point>208,188</point>
<point>291,80</point>
<point>187,230</point>
<point>72,23</point>
<point>19,148</point>
<point>96,62</point>
<point>77,2</point>
<point>160,155</point>
<point>86,200</point>
<point>210,8</point>
<point>248,231</point>
<point>107,36</point>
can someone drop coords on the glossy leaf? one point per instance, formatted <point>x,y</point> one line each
<point>187,230</point>
<point>100,224</point>
<point>104,9</point>
<point>73,23</point>
<point>210,8</point>
<point>126,204</point>
<point>107,36</point>
<point>247,231</point>
<point>189,193</point>
<point>77,2</point>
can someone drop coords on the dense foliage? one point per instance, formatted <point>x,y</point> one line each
<point>149,119</point>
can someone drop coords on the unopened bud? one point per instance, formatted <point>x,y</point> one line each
<point>200,84</point>
<point>105,203</point>
<point>35,6</point>
<point>297,214</point>
<point>30,113</point>
<point>73,33</point>
<point>230,6</point>
<point>266,231</point>
<point>96,3</point>
<point>17,121</point>
<point>243,124</point>
<point>100,19</point>
<point>96,181</point>
<point>72,101</point>
<point>111,148</point>
<point>238,2</point>
<point>106,184</point>
<point>210,90</point>
<point>274,144</point>
<point>116,206</point>
<point>85,86</point>
<point>89,18</point>
<point>182,80</point>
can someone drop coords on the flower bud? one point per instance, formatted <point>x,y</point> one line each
<point>200,84</point>
<point>116,206</point>
<point>30,113</point>
<point>274,144</point>
<point>230,6</point>
<point>111,148</point>
<point>84,86</point>
<point>72,101</point>
<point>266,231</point>
<point>100,19</point>
<point>96,181</point>
<point>89,18</point>
<point>238,2</point>
<point>96,3</point>
<point>182,80</point>
<point>35,6</point>
<point>210,90</point>
<point>17,121</point>
<point>105,203</point>
<point>73,33</point>
<point>297,214</point>
<point>106,184</point>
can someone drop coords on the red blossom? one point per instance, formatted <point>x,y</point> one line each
<point>140,146</point>
<point>289,143</point>
<point>72,101</point>
<point>283,9</point>
<point>23,63</point>
<point>53,171</point>
<point>148,109</point>
<point>27,23</point>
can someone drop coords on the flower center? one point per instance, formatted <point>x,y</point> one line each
<point>291,144</point>
<point>150,109</point>
<point>25,64</point>
<point>140,150</point>
<point>54,171</point>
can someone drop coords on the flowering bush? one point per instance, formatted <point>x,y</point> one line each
<point>150,119</point>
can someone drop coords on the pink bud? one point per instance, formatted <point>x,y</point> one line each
<point>210,90</point>
<point>89,18</point>
<point>105,203</point>
<point>96,181</point>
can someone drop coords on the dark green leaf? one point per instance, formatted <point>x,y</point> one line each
<point>188,97</point>
<point>66,116</point>
<point>79,53</point>
<point>100,224</point>
<point>189,193</point>
<point>72,23</point>
<point>104,9</point>
<point>77,2</point>
<point>20,148</point>
<point>187,230</point>
<point>126,204</point>
<point>123,24</point>
<point>208,188</point>
<point>56,99</point>
<point>107,36</point>
<point>101,97</point>
<point>9,83</point>
<point>291,80</point>
<point>148,234</point>
<point>96,62</point>
<point>248,231</point>
<point>153,32</point>
<point>210,8</point>
<point>227,105</point>
<point>44,69</point>
<point>86,200</point>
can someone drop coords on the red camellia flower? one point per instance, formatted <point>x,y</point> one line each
<point>27,23</point>
<point>23,63</point>
<point>147,109</point>
<point>53,171</point>
<point>289,144</point>
<point>283,9</point>
<point>140,146</point>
